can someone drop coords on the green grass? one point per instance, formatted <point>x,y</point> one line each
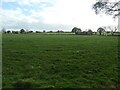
<point>60,61</point>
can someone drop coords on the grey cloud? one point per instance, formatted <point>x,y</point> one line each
<point>37,26</point>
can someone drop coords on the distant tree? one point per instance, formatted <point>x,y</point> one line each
<point>22,31</point>
<point>107,7</point>
<point>37,31</point>
<point>90,32</point>
<point>15,32</point>
<point>95,33</point>
<point>84,33</point>
<point>30,31</point>
<point>76,30</point>
<point>50,31</point>
<point>8,32</point>
<point>44,31</point>
<point>112,29</point>
<point>100,30</point>
<point>59,31</point>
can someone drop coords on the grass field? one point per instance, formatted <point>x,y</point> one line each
<point>59,61</point>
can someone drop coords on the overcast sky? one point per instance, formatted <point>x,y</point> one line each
<point>52,15</point>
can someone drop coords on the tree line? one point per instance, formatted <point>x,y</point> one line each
<point>23,31</point>
<point>75,30</point>
<point>100,31</point>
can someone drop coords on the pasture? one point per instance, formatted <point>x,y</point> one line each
<point>59,61</point>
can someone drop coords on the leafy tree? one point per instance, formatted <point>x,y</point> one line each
<point>22,31</point>
<point>15,32</point>
<point>44,31</point>
<point>100,30</point>
<point>107,6</point>
<point>50,31</point>
<point>90,32</point>
<point>37,31</point>
<point>76,30</point>
<point>59,31</point>
<point>8,31</point>
<point>30,31</point>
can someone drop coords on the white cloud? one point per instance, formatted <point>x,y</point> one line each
<point>12,17</point>
<point>75,12</point>
<point>66,13</point>
<point>16,19</point>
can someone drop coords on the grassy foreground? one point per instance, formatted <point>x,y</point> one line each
<point>59,61</point>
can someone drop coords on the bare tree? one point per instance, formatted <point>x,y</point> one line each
<point>112,29</point>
